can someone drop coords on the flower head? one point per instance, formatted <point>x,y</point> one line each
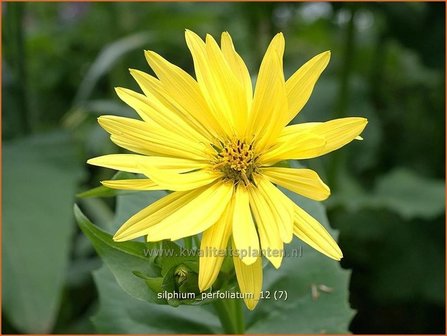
<point>215,143</point>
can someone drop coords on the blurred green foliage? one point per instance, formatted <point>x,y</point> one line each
<point>60,64</point>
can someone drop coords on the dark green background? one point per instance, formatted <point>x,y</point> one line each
<point>62,60</point>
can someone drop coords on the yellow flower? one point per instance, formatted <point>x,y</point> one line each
<point>214,144</point>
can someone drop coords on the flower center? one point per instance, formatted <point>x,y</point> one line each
<point>237,160</point>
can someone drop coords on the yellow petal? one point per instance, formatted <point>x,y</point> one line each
<point>336,132</point>
<point>280,206</point>
<point>138,224</point>
<point>211,82</point>
<point>134,163</point>
<point>139,134</point>
<point>214,246</point>
<point>299,146</point>
<point>249,278</point>
<point>237,65</point>
<point>194,217</point>
<point>152,110</point>
<point>244,231</point>
<point>305,182</point>
<point>180,182</point>
<point>132,184</point>
<point>156,147</point>
<point>271,242</point>
<point>277,44</point>
<point>133,145</point>
<point>270,99</point>
<point>154,90</point>
<point>309,230</point>
<point>183,91</point>
<point>227,86</point>
<point>300,85</point>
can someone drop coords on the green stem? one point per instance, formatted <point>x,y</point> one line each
<point>230,315</point>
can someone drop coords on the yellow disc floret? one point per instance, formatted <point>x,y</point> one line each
<point>237,160</point>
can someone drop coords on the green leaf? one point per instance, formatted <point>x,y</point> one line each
<point>120,313</point>
<point>155,284</point>
<point>100,191</point>
<point>132,263</point>
<point>405,258</point>
<point>299,276</point>
<point>40,176</point>
<point>401,190</point>
<point>123,259</point>
<point>103,191</point>
<point>107,58</point>
<point>411,195</point>
<point>113,107</point>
